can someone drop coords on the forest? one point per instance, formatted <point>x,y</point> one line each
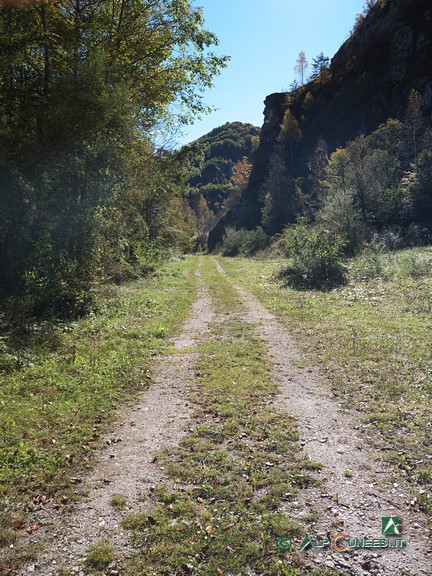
<point>89,93</point>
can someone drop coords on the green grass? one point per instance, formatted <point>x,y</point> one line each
<point>100,555</point>
<point>61,388</point>
<point>237,471</point>
<point>118,501</point>
<point>373,341</point>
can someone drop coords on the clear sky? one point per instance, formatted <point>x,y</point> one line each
<point>264,38</point>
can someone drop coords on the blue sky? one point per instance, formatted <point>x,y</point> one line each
<point>264,38</point>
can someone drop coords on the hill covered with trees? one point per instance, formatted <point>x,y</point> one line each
<point>219,171</point>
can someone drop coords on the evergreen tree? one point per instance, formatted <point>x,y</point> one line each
<point>319,65</point>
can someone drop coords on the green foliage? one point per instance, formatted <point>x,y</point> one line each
<point>377,262</point>
<point>118,501</point>
<point>84,194</point>
<point>244,242</point>
<point>320,66</point>
<point>235,469</point>
<point>366,191</point>
<point>100,555</point>
<point>420,188</point>
<point>213,168</point>
<point>61,385</point>
<point>314,258</point>
<point>283,197</point>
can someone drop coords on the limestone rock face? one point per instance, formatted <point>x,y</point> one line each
<point>372,75</point>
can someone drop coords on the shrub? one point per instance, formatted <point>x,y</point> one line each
<point>388,239</point>
<point>254,241</point>
<point>315,260</point>
<point>245,242</point>
<point>413,265</point>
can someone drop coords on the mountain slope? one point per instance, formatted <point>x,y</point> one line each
<point>370,80</point>
<point>216,154</point>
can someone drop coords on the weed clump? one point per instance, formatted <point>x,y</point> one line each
<point>314,258</point>
<point>100,555</point>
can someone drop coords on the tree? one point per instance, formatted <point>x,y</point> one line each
<point>414,123</point>
<point>239,180</point>
<point>290,132</point>
<point>362,189</point>
<point>84,86</point>
<point>203,215</point>
<point>421,189</point>
<point>368,5</point>
<point>282,197</point>
<point>301,66</point>
<point>319,65</point>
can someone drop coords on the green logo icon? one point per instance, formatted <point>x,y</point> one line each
<point>284,543</point>
<point>305,544</point>
<point>391,525</point>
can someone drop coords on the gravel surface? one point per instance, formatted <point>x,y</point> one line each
<point>127,463</point>
<point>358,490</point>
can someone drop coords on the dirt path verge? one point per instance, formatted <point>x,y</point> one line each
<point>358,488</point>
<point>126,465</point>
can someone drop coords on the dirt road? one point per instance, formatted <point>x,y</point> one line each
<point>356,492</point>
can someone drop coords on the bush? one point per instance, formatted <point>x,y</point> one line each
<point>374,262</point>
<point>315,258</point>
<point>244,242</point>
<point>413,265</point>
<point>368,264</point>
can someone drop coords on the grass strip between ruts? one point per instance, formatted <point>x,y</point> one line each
<point>238,470</point>
<point>373,340</point>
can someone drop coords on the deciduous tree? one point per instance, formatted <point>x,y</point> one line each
<point>301,66</point>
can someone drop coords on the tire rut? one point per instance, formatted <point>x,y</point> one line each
<point>127,464</point>
<point>357,491</point>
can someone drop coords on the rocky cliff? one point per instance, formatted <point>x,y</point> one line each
<point>371,77</point>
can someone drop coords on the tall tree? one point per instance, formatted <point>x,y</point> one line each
<point>84,85</point>
<point>414,123</point>
<point>301,66</point>
<point>290,132</point>
<point>282,198</point>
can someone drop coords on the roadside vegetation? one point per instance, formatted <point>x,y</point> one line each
<point>90,190</point>
<point>372,340</point>
<point>238,471</point>
<point>62,386</point>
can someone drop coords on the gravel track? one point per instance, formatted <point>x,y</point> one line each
<point>358,491</point>
<point>127,463</point>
